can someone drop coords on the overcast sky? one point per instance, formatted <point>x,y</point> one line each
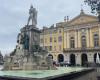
<point>14,15</point>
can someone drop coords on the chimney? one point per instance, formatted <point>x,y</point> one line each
<point>65,19</point>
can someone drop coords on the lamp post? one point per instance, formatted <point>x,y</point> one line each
<point>95,6</point>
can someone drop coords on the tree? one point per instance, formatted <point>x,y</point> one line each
<point>95,6</point>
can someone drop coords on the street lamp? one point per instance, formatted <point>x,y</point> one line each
<point>95,6</point>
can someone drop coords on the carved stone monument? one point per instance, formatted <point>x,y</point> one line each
<point>28,54</point>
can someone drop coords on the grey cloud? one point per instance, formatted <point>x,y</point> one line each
<point>14,14</point>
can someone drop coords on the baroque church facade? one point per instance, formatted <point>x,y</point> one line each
<point>75,41</point>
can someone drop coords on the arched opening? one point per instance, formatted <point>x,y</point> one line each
<point>51,55</point>
<point>95,55</point>
<point>60,58</point>
<point>84,59</point>
<point>72,60</point>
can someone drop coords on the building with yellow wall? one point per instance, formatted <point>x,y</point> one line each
<point>75,41</point>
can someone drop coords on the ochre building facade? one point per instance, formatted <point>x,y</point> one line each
<point>76,41</point>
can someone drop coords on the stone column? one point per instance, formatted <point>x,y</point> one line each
<point>87,38</point>
<point>76,37</point>
<point>65,40</point>
<point>30,41</point>
<point>90,57</point>
<point>67,57</point>
<point>55,55</point>
<point>79,39</point>
<point>78,58</point>
<point>91,38</point>
<point>99,33</point>
<point>68,42</point>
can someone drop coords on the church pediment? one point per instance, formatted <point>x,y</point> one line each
<point>83,18</point>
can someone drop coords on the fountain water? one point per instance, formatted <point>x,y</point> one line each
<point>97,58</point>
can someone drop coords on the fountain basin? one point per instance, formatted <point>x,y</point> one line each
<point>40,74</point>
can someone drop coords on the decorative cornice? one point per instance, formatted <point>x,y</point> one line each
<point>81,50</point>
<point>86,26</point>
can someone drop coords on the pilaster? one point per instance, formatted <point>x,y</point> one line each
<point>79,39</point>
<point>99,33</point>
<point>65,40</point>
<point>68,40</point>
<point>91,38</point>
<point>87,38</point>
<point>78,58</point>
<point>76,37</point>
<point>90,57</point>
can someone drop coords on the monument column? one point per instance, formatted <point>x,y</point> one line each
<point>32,31</point>
<point>30,41</point>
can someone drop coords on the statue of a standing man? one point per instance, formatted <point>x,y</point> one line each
<point>32,16</point>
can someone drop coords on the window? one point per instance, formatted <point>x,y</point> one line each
<point>59,30</point>
<point>54,39</point>
<point>83,38</point>
<point>46,47</point>
<point>50,48</point>
<point>60,47</point>
<point>45,40</point>
<point>55,48</point>
<point>60,38</point>
<point>41,40</point>
<point>96,40</point>
<point>50,39</point>
<point>72,42</point>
